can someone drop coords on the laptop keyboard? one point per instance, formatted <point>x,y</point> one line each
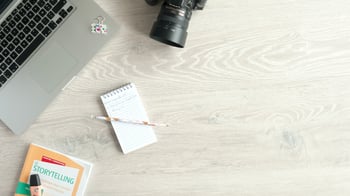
<point>26,29</point>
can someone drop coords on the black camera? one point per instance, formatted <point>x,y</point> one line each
<point>173,20</point>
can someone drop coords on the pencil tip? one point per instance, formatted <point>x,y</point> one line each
<point>92,116</point>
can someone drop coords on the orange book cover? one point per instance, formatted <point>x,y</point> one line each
<point>52,164</point>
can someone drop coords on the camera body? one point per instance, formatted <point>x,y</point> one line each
<point>173,20</point>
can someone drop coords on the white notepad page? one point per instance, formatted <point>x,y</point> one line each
<point>125,103</point>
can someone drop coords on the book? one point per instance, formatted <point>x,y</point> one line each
<point>60,174</point>
<point>125,102</point>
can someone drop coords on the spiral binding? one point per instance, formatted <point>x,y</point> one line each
<point>118,90</point>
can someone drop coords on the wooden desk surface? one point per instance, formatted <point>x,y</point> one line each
<point>258,102</point>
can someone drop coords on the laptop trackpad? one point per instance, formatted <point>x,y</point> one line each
<point>52,67</point>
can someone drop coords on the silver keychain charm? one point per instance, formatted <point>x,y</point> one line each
<point>99,27</point>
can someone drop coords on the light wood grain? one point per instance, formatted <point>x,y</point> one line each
<point>258,102</point>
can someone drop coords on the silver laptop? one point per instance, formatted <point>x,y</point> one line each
<point>43,45</point>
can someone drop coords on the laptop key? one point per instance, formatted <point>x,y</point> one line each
<point>23,11</point>
<point>35,9</point>
<point>24,43</point>
<point>37,18</point>
<point>2,35</point>
<point>3,66</point>
<point>30,49</point>
<point>5,53</point>
<point>40,26</point>
<point>45,21</point>
<point>42,13</point>
<point>34,32</point>
<point>11,47</point>
<point>8,61</point>
<point>29,38</point>
<point>53,2</point>
<point>70,8</point>
<point>52,25</point>
<point>51,15</point>
<point>9,38</point>
<point>59,20</point>
<point>3,24</point>
<point>14,12</point>
<point>30,14</point>
<point>13,55</point>
<point>27,6</point>
<point>21,35</point>
<point>25,20</point>
<point>41,3</point>
<point>63,13</point>
<point>2,79</point>
<point>19,49</point>
<point>20,26</point>
<point>59,6</point>
<point>26,30</point>
<point>13,67</point>
<point>14,32</point>
<point>7,73</point>
<point>48,7</point>
<point>31,24</point>
<point>7,29</point>
<point>4,43</point>
<point>46,31</point>
<point>17,17</point>
<point>20,5</point>
<point>33,1</point>
<point>9,18</point>
<point>15,41</point>
<point>11,24</point>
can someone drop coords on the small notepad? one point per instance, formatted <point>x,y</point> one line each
<point>125,102</point>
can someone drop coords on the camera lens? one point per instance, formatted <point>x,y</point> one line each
<point>172,23</point>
